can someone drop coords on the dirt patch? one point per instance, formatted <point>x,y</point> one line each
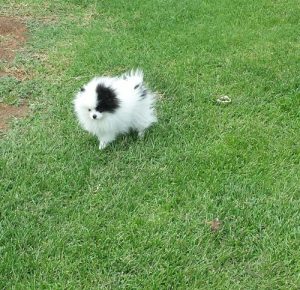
<point>12,37</point>
<point>17,73</point>
<point>8,112</point>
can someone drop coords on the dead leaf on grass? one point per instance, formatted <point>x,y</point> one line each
<point>215,225</point>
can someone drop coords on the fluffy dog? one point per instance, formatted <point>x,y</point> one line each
<point>109,106</point>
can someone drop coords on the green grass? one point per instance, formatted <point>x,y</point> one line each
<point>135,215</point>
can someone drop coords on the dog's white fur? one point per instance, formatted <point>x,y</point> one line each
<point>135,111</point>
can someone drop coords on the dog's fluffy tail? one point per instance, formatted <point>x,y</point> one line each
<point>136,77</point>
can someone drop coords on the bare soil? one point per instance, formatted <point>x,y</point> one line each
<point>8,112</point>
<point>12,37</point>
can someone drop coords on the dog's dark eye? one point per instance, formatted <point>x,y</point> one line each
<point>82,89</point>
<point>90,110</point>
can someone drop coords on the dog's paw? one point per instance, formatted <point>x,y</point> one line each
<point>102,145</point>
<point>141,134</point>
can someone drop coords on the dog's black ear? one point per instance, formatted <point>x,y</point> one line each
<point>107,99</point>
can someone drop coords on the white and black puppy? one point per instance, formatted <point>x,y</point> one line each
<point>109,106</point>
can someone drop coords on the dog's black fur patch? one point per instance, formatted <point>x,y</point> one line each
<point>107,100</point>
<point>144,93</point>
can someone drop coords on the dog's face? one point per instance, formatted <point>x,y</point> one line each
<point>94,114</point>
<point>96,99</point>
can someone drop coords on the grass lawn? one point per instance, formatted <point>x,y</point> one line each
<point>137,215</point>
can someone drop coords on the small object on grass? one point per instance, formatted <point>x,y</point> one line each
<point>215,225</point>
<point>223,100</point>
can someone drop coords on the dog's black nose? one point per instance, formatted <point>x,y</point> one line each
<point>94,116</point>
